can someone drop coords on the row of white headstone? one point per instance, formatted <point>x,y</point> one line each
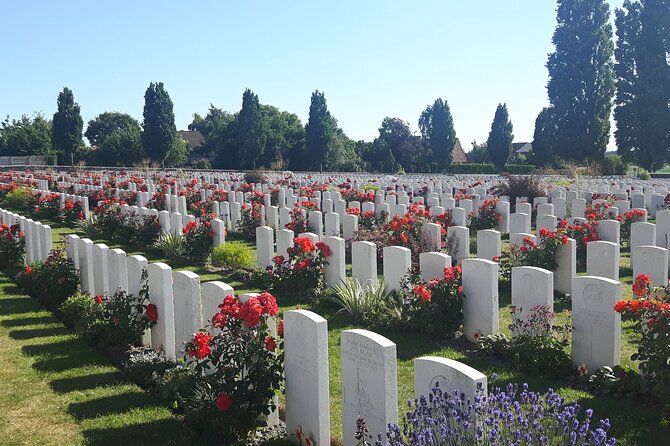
<point>37,236</point>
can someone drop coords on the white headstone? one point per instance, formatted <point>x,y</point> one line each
<point>307,375</point>
<point>160,294</point>
<point>596,334</point>
<point>449,376</point>
<point>187,306</point>
<point>602,259</point>
<point>397,263</point>
<point>480,309</point>
<point>369,382</point>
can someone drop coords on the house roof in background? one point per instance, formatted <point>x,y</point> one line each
<point>192,137</point>
<point>458,155</point>
<point>521,147</point>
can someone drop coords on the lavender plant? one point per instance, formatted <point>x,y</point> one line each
<point>509,416</point>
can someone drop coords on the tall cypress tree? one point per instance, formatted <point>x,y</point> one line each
<point>643,82</point>
<point>543,137</point>
<point>251,131</point>
<point>437,130</point>
<point>500,139</point>
<point>159,130</point>
<point>581,79</point>
<point>319,133</point>
<point>66,131</point>
<point>628,35</point>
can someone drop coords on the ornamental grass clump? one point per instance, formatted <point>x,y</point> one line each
<point>509,416</point>
<point>238,363</point>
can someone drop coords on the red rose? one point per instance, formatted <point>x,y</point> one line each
<point>29,270</point>
<point>269,303</point>
<point>219,320</point>
<point>270,344</point>
<point>280,328</point>
<point>224,402</point>
<point>152,312</point>
<point>98,299</point>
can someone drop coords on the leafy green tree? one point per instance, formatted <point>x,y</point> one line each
<point>251,131</point>
<point>108,123</point>
<point>218,129</point>
<point>479,153</point>
<point>25,136</point>
<point>67,127</point>
<point>643,82</point>
<point>120,148</point>
<point>178,153</point>
<point>581,79</point>
<point>159,130</point>
<point>285,138</point>
<point>499,144</point>
<point>437,130</point>
<point>396,146</point>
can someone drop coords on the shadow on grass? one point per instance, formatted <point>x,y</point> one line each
<point>16,305</point>
<point>629,422</point>
<point>111,405</point>
<point>63,355</point>
<point>31,333</point>
<point>85,382</point>
<point>27,321</point>
<point>155,432</point>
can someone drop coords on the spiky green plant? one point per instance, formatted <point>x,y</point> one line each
<point>358,300</point>
<point>90,227</point>
<point>171,245</point>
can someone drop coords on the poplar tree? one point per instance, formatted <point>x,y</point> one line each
<point>499,144</point>
<point>642,108</point>
<point>67,127</point>
<point>437,130</point>
<point>581,79</point>
<point>158,130</point>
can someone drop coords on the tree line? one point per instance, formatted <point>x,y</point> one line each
<point>589,78</point>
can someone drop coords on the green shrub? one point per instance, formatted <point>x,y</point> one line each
<point>233,255</point>
<point>145,366</point>
<point>18,199</point>
<point>51,281</point>
<point>644,175</point>
<point>613,165</point>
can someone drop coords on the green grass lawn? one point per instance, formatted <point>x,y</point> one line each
<point>632,423</point>
<point>56,390</point>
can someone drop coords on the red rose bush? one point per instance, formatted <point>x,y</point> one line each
<point>238,362</point>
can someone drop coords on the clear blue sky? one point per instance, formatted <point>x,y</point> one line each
<point>371,58</point>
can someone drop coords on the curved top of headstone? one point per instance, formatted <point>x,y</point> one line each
<point>375,337</point>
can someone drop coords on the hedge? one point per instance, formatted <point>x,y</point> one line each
<point>518,169</point>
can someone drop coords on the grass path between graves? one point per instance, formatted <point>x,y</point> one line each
<point>55,390</point>
<point>632,423</point>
